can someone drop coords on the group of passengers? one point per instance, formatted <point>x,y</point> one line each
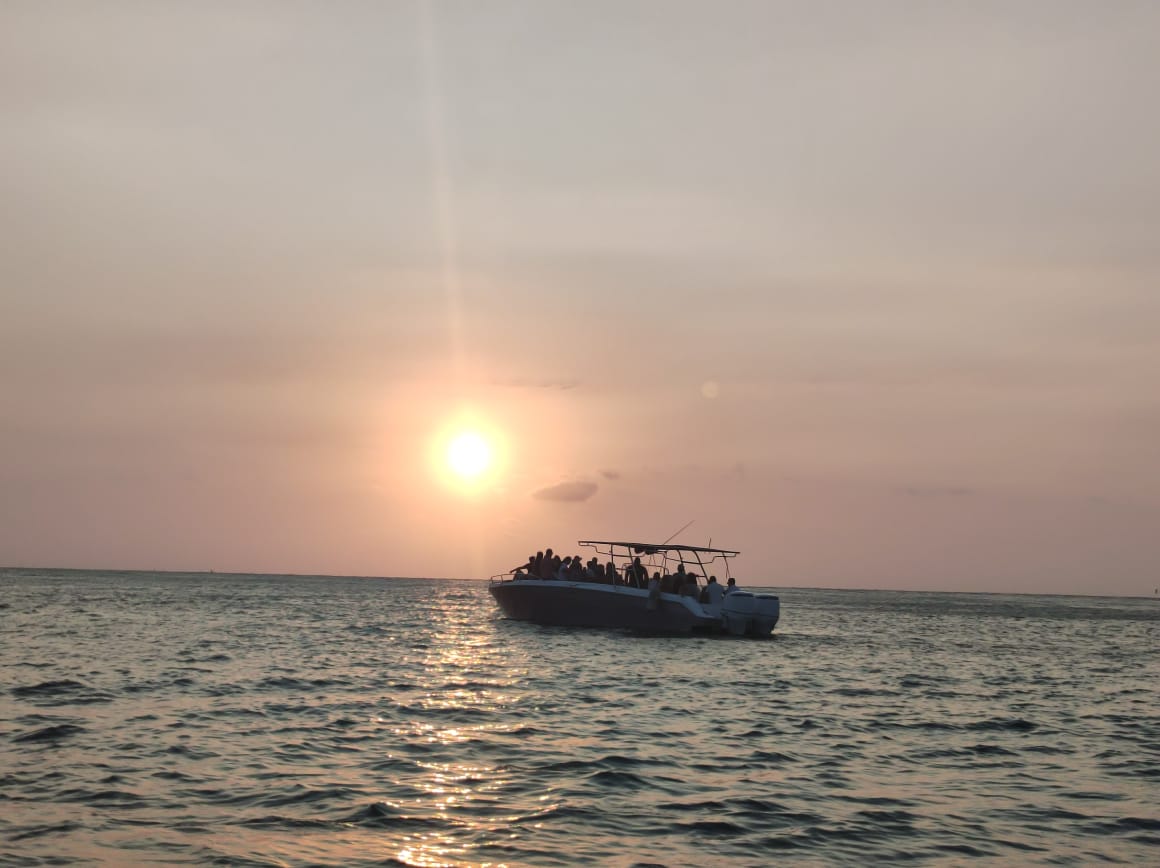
<point>548,565</point>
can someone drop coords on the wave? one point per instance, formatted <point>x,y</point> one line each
<point>57,732</point>
<point>61,692</point>
<point>39,831</point>
<point>1003,724</point>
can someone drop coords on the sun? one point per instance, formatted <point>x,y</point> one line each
<point>468,455</point>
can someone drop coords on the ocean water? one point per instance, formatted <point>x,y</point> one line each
<point>276,720</point>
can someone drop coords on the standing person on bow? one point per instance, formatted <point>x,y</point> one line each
<point>639,574</point>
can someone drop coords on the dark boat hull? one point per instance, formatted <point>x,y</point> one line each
<point>584,604</point>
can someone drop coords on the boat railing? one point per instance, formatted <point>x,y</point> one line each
<point>510,576</point>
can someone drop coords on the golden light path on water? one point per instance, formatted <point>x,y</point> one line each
<point>448,790</point>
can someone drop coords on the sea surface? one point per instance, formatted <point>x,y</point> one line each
<point>192,719</point>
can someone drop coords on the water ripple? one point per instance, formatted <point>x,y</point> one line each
<point>192,719</point>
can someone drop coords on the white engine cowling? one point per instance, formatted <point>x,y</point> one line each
<point>766,611</point>
<point>737,611</point>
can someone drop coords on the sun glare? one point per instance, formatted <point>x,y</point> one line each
<point>468,455</point>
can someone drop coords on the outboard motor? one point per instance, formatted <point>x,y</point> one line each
<point>766,611</point>
<point>737,611</point>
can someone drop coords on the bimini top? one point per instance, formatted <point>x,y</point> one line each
<point>643,548</point>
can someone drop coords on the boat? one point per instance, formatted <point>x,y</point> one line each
<point>623,599</point>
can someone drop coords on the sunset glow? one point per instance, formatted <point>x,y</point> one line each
<point>398,285</point>
<point>468,455</point>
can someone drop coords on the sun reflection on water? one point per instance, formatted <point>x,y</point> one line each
<point>467,698</point>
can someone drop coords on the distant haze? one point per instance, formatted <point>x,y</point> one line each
<point>869,291</point>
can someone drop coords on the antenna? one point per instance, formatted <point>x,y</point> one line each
<point>678,533</point>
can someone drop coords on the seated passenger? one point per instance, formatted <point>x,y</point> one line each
<point>731,585</point>
<point>690,588</point>
<point>713,593</point>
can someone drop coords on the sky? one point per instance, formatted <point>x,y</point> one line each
<point>868,291</point>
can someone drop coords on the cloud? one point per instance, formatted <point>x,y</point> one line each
<point>561,384</point>
<point>567,492</point>
<point>935,490</point>
<point>610,474</point>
